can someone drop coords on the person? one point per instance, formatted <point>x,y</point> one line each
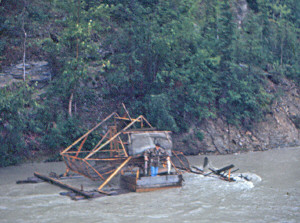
<point>155,158</point>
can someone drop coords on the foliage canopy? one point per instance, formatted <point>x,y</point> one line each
<point>176,62</point>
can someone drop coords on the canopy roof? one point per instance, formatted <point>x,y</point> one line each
<point>142,141</point>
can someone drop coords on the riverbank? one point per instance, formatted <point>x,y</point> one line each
<point>280,128</point>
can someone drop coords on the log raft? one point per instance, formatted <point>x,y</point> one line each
<point>62,185</point>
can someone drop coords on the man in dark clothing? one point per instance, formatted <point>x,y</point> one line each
<point>155,154</point>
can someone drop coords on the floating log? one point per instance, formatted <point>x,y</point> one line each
<point>30,180</point>
<point>219,171</point>
<point>221,175</point>
<point>235,170</point>
<point>224,169</point>
<point>62,185</point>
<point>197,169</point>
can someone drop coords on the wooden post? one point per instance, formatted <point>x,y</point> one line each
<point>111,142</point>
<point>123,147</point>
<point>138,173</point>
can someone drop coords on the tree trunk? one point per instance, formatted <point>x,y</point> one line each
<point>24,43</point>
<point>70,105</point>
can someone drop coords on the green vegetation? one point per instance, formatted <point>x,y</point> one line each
<point>15,117</point>
<point>175,62</point>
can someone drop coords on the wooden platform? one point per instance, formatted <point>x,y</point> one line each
<point>148,183</point>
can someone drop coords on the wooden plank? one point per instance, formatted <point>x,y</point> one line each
<point>62,185</point>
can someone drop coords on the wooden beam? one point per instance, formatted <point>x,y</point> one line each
<point>115,136</point>
<point>81,145</point>
<point>87,133</point>
<point>123,147</point>
<point>181,162</point>
<point>146,121</point>
<point>128,119</point>
<point>145,131</point>
<point>94,169</point>
<point>109,138</point>
<point>61,184</point>
<point>101,140</point>
<point>126,111</point>
<point>114,173</point>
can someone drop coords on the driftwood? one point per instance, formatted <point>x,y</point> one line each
<point>198,169</point>
<point>73,193</point>
<point>221,173</point>
<point>224,169</point>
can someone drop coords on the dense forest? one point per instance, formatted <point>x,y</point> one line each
<point>174,61</point>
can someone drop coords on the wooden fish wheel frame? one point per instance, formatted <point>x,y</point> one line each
<point>101,152</point>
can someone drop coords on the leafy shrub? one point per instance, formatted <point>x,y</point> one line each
<point>61,134</point>
<point>199,135</point>
<point>15,103</point>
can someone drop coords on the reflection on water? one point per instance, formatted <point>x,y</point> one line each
<point>273,195</point>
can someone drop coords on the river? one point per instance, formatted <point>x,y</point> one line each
<point>272,195</point>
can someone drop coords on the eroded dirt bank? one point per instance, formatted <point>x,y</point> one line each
<point>280,128</point>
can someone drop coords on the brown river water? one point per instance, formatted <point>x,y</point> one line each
<point>272,195</point>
